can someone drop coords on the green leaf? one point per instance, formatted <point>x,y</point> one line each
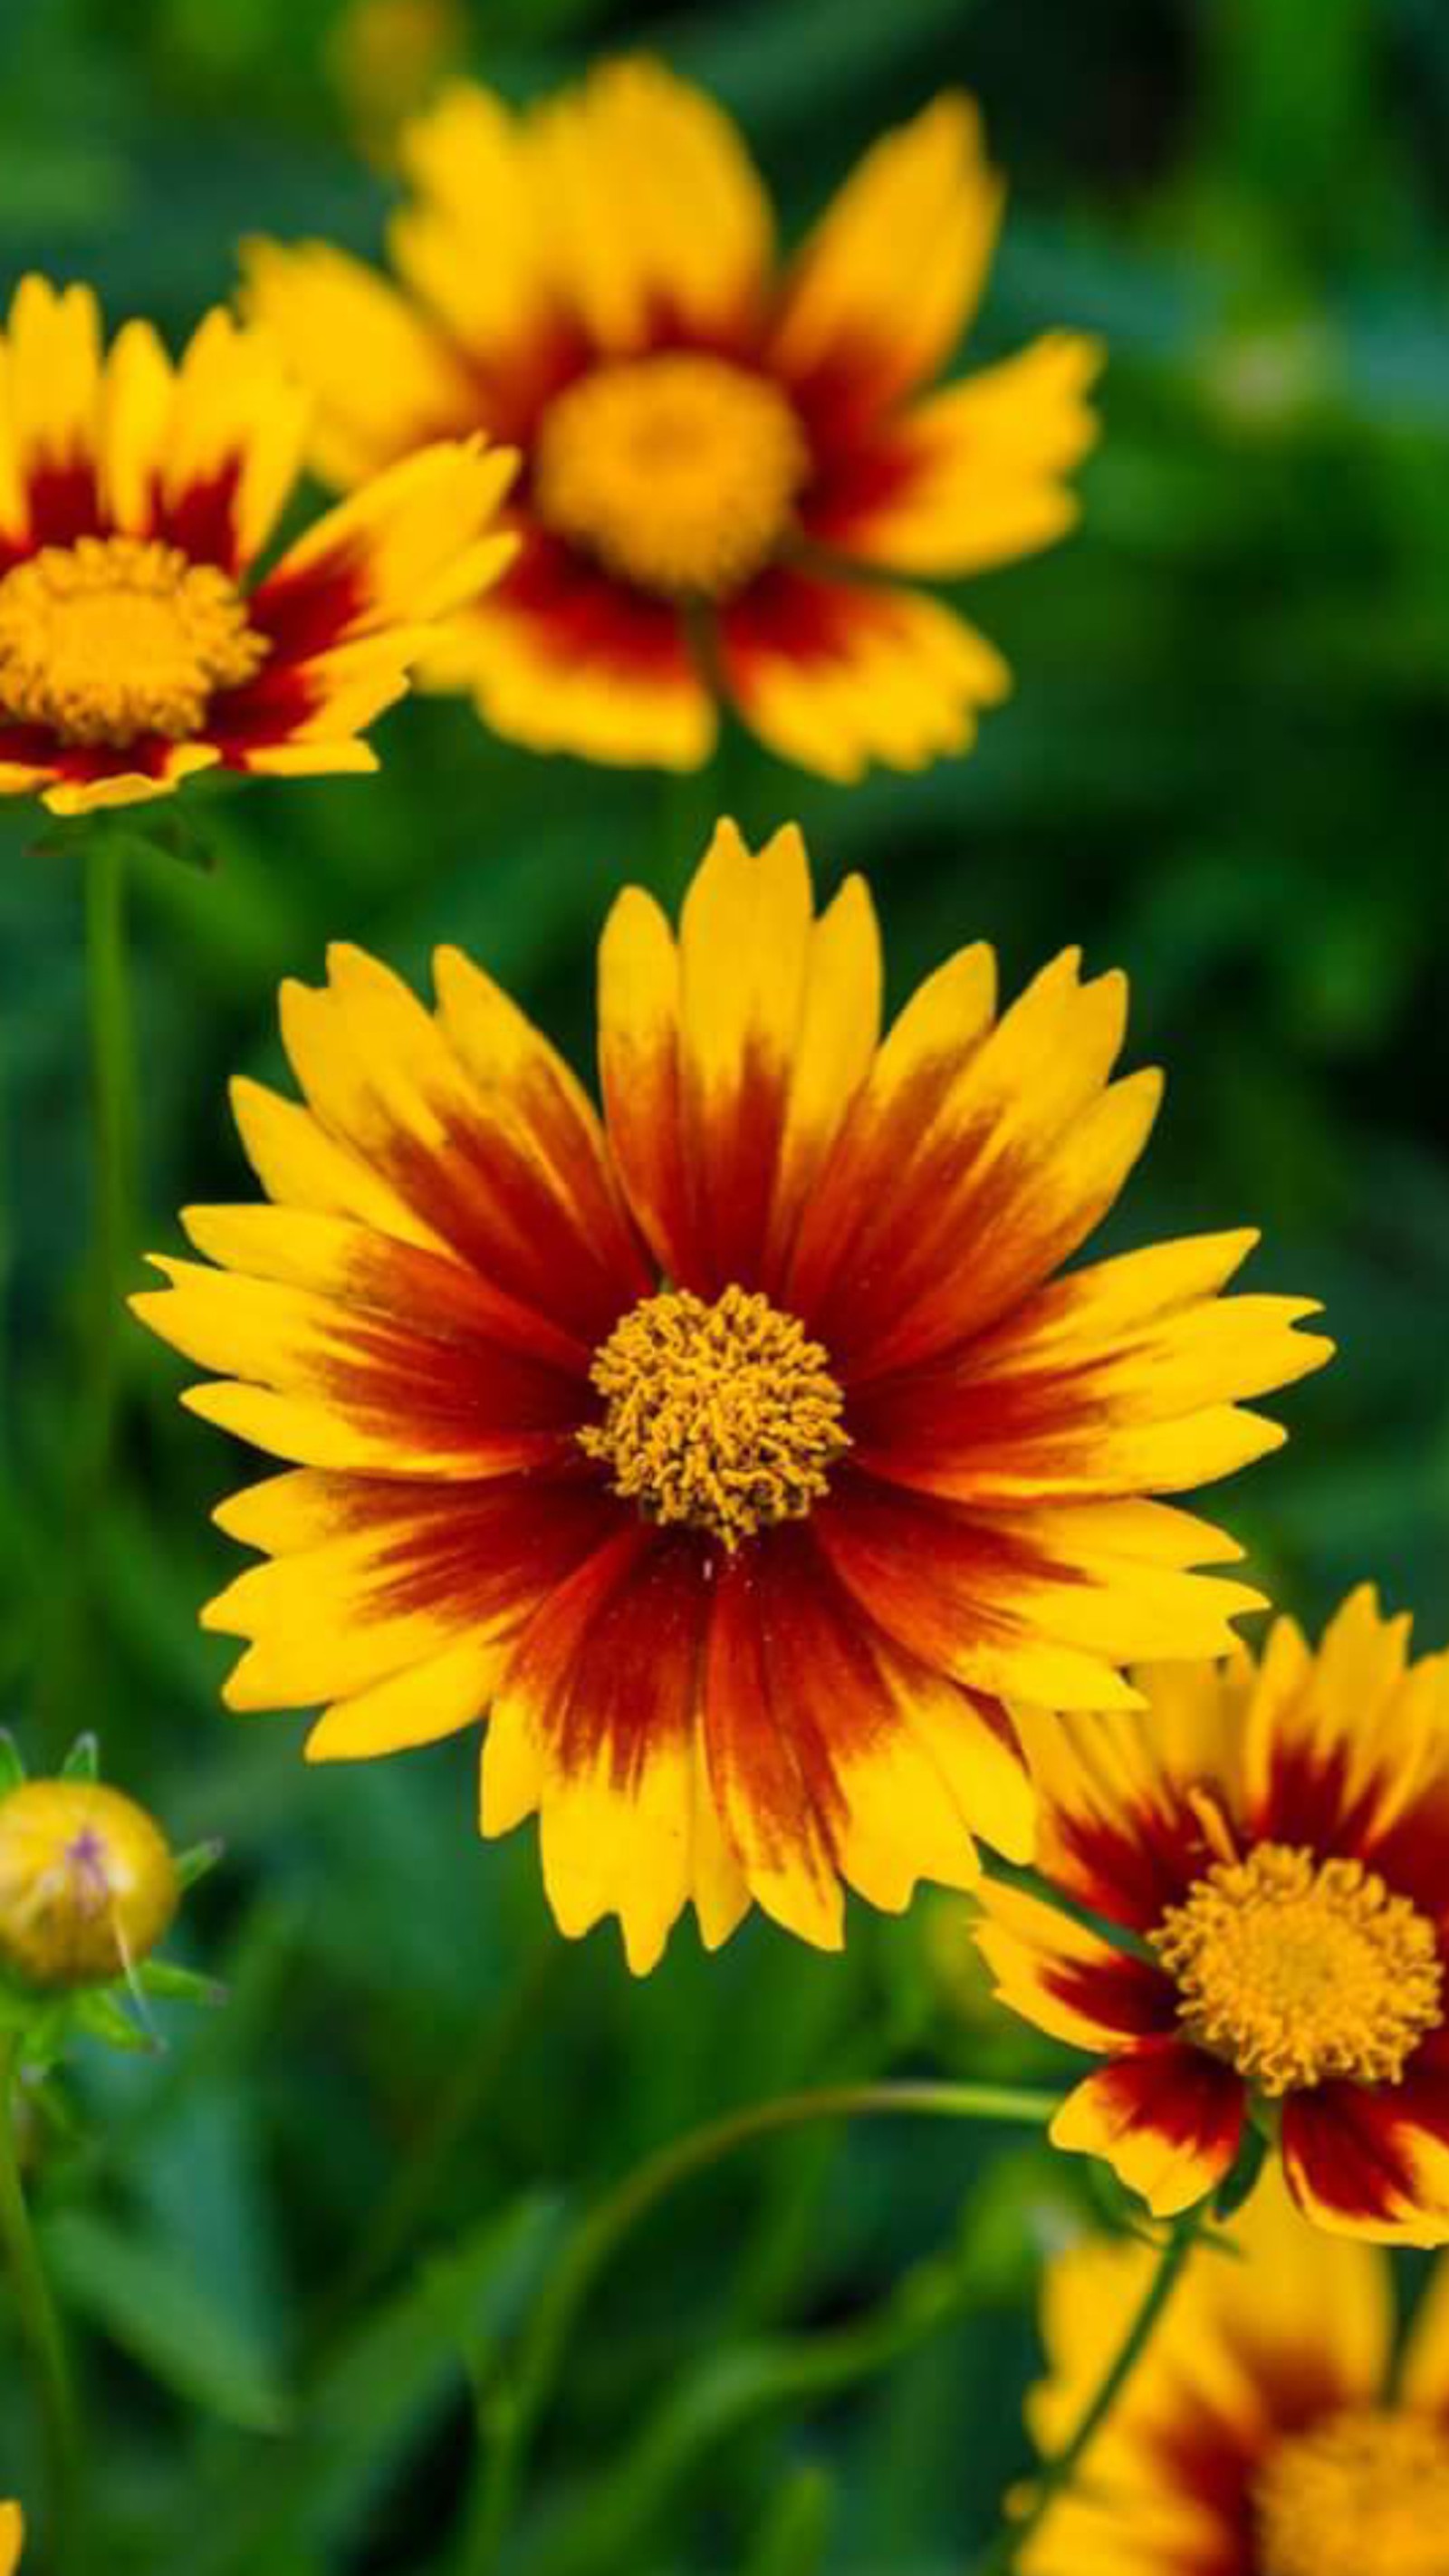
<point>134,2289</point>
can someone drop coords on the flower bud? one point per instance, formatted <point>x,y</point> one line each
<point>87,1884</point>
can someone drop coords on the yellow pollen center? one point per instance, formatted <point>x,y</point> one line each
<point>1296,1969</point>
<point>723,1416</point>
<point>679,472</point>
<point>115,637</point>
<point>1359,2494</point>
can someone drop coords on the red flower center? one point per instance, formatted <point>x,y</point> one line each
<point>722,1416</point>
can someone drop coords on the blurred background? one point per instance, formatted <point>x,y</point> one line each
<point>301,2236</point>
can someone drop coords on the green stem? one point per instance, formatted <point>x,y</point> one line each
<point>113,1129</point>
<point>39,2321</point>
<point>517,2409</point>
<point>1057,2472</point>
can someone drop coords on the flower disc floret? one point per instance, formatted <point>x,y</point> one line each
<point>678,472</point>
<point>115,637</point>
<point>1297,1969</point>
<point>88,1885</point>
<point>1363,2492</point>
<point>723,1416</point>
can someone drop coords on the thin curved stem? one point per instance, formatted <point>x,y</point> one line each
<point>515,2412</point>
<point>39,2322</point>
<point>113,1128</point>
<point>1055,2474</point>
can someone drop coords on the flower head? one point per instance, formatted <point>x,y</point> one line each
<point>725,459</point>
<point>1275,1840</point>
<point>1267,2430</point>
<point>88,1885</point>
<point>740,1454</point>
<point>137,643</point>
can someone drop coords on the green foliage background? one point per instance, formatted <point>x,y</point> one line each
<point>302,2238</point>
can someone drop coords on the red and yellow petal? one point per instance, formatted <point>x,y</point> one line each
<point>79,780</point>
<point>415,544</point>
<point>50,387</point>
<point>593,1724</point>
<point>886,283</point>
<point>1032,1411</point>
<point>971,477</point>
<point>230,444</point>
<point>563,658</point>
<point>493,1167</point>
<point>839,676</point>
<point>656,219</point>
<point>1064,1978</point>
<point>729,1062</point>
<point>375,1580</point>
<point>1039,1606</point>
<point>956,1158</point>
<point>1373,2161</point>
<point>1166,2118</point>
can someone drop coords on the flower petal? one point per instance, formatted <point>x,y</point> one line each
<point>1065,1979</point>
<point>373,1578</point>
<point>232,446</point>
<point>656,219</point>
<point>479,1163</point>
<point>594,1722</point>
<point>49,405</point>
<point>384,381</point>
<point>412,545</point>
<point>837,675</point>
<point>1166,2118</point>
<point>1373,2161</point>
<point>971,477</point>
<point>562,657</point>
<point>888,280</point>
<point>729,1066</point>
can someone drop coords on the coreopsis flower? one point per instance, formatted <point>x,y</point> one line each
<point>88,1885</point>
<point>1269,2428</point>
<point>12,2538</point>
<point>734,474</point>
<point>740,1454</point>
<point>1274,1839</point>
<point>138,645</point>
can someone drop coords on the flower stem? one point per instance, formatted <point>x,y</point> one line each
<point>113,1128</point>
<point>39,2322</point>
<point>1057,2473</point>
<point>513,2415</point>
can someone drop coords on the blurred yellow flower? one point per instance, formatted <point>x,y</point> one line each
<point>88,1885</point>
<point>12,2538</point>
<point>725,460</point>
<point>1267,2429</point>
<point>739,1455</point>
<point>136,645</point>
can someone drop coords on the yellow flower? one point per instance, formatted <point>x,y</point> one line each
<point>1276,1838</point>
<point>137,645</point>
<point>726,460</point>
<point>1266,2431</point>
<point>12,2538</point>
<point>87,1882</point>
<point>740,1454</point>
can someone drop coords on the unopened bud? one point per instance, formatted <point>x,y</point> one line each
<point>87,1885</point>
